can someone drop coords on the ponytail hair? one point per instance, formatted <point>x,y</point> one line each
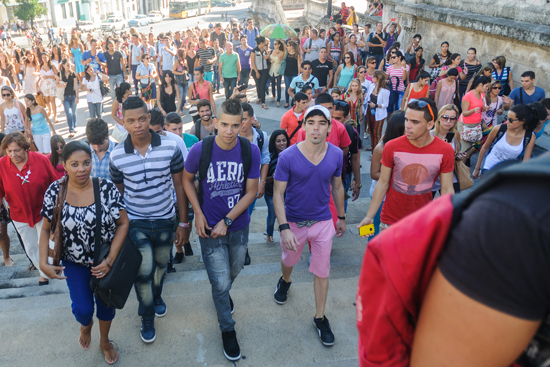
<point>120,90</point>
<point>31,98</point>
<point>260,39</point>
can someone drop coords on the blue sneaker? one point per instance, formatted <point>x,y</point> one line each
<point>160,307</point>
<point>148,333</point>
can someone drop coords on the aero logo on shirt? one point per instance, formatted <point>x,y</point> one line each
<point>226,180</point>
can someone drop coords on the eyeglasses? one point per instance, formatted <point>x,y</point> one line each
<point>447,118</point>
<point>422,104</point>
<point>499,88</point>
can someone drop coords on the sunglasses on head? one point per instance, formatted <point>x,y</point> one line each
<point>422,104</point>
<point>340,103</point>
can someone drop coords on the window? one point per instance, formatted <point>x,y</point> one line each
<point>71,10</point>
<point>64,11</point>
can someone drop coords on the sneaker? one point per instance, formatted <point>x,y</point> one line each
<point>365,136</point>
<point>178,258</point>
<point>160,307</point>
<point>247,258</point>
<point>232,305</point>
<point>281,291</point>
<point>188,249</point>
<point>324,330</point>
<point>147,333</point>
<point>231,348</point>
<point>170,268</point>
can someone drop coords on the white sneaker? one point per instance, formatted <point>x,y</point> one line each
<point>365,136</point>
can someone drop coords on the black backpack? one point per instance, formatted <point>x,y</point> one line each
<point>260,138</point>
<point>502,131</point>
<point>206,156</point>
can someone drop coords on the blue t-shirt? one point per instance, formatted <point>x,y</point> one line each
<point>308,186</point>
<point>88,55</point>
<point>298,83</point>
<point>224,185</point>
<point>539,95</point>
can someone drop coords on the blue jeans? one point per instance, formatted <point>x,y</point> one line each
<point>82,297</point>
<point>395,101</point>
<point>376,221</point>
<point>223,259</point>
<point>276,83</point>
<point>245,77</point>
<point>114,82</point>
<point>154,240</point>
<point>136,82</point>
<point>70,111</point>
<point>183,93</point>
<point>96,109</point>
<point>251,207</point>
<point>347,184</point>
<point>208,76</point>
<point>229,84</point>
<point>288,80</point>
<point>270,214</point>
<point>216,84</point>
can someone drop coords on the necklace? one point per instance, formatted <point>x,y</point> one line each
<point>25,179</point>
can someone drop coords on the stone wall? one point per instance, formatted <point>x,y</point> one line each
<point>292,4</point>
<point>315,11</point>
<point>526,46</point>
<point>265,12</point>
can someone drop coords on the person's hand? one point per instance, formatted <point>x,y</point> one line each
<point>477,110</point>
<point>53,272</point>
<point>465,69</point>
<point>461,156</point>
<point>261,190</point>
<point>257,74</point>
<point>101,270</point>
<point>404,63</point>
<point>500,111</point>
<point>340,227</point>
<point>179,237</point>
<point>365,222</point>
<point>289,240</point>
<point>356,191</point>
<point>486,108</point>
<point>221,79</point>
<point>201,225</point>
<point>506,99</point>
<point>476,174</point>
<point>163,113</point>
<point>220,229</point>
<point>372,105</point>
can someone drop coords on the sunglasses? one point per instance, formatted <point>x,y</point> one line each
<point>372,62</point>
<point>341,103</point>
<point>422,104</point>
<point>393,57</point>
<point>499,88</point>
<point>347,57</point>
<point>307,68</point>
<point>447,118</point>
<point>6,94</point>
<point>362,72</point>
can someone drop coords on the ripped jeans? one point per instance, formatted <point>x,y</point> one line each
<point>153,239</point>
<point>224,258</point>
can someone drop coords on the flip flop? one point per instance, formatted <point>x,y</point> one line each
<point>257,102</point>
<point>264,107</point>
<point>115,347</point>
<point>80,339</point>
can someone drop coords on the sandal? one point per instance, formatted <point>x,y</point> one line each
<point>113,347</point>
<point>257,102</point>
<point>368,149</point>
<point>264,107</point>
<point>278,104</point>
<point>81,341</point>
<point>273,99</point>
<point>286,105</point>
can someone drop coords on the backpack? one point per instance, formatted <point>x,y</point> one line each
<point>206,155</point>
<point>397,268</point>
<point>502,130</point>
<point>260,138</point>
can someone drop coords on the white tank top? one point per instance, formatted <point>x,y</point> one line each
<point>13,120</point>
<point>502,151</point>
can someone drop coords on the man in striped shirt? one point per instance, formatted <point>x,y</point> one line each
<point>147,168</point>
<point>207,57</point>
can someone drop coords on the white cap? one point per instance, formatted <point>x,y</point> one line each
<point>323,109</point>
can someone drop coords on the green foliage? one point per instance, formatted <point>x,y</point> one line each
<point>29,10</point>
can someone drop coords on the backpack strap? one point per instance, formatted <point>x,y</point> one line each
<point>521,95</point>
<point>260,139</point>
<point>300,122</point>
<point>198,130</point>
<point>206,155</point>
<point>500,134</point>
<point>246,156</point>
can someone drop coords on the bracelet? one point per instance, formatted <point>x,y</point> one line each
<point>263,181</point>
<point>106,262</point>
<point>342,218</point>
<point>283,226</point>
<point>184,225</point>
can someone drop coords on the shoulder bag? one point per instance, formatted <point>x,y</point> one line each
<point>462,171</point>
<point>114,288</point>
<point>282,69</point>
<point>55,249</point>
<point>105,90</point>
<point>181,79</point>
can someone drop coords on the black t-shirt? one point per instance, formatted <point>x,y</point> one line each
<point>69,88</point>
<point>321,71</point>
<point>220,37</point>
<point>374,40</point>
<point>499,253</point>
<point>354,147</point>
<point>113,63</point>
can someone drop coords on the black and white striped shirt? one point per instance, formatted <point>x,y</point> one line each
<point>148,186</point>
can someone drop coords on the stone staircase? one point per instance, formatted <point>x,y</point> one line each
<point>269,334</point>
<point>296,18</point>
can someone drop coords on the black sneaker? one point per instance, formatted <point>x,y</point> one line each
<point>188,249</point>
<point>178,258</point>
<point>232,305</point>
<point>247,258</point>
<point>231,348</point>
<point>281,291</point>
<point>325,332</point>
<point>148,333</point>
<point>170,268</point>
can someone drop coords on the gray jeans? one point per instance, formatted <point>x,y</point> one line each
<point>224,258</point>
<point>114,82</point>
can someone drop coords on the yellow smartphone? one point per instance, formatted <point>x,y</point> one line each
<point>365,230</point>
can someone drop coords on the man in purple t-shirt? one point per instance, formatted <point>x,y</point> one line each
<point>244,51</point>
<point>222,219</point>
<point>306,171</point>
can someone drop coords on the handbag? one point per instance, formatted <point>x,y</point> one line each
<point>282,68</point>
<point>40,99</point>
<point>471,134</point>
<point>114,288</point>
<point>463,176</point>
<point>55,249</point>
<point>181,79</point>
<point>105,90</point>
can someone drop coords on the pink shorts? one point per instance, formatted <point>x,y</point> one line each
<point>319,236</point>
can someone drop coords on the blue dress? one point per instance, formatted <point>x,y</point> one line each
<point>77,53</point>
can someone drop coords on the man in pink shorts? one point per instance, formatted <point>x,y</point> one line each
<point>306,171</point>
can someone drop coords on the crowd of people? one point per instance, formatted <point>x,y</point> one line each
<point>346,87</point>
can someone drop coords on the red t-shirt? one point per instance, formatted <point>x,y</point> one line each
<point>414,171</point>
<point>338,135</point>
<point>26,199</point>
<point>289,123</point>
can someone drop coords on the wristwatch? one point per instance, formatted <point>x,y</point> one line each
<point>342,218</point>
<point>228,221</point>
<point>359,186</point>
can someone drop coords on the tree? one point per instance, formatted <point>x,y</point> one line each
<point>29,10</point>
